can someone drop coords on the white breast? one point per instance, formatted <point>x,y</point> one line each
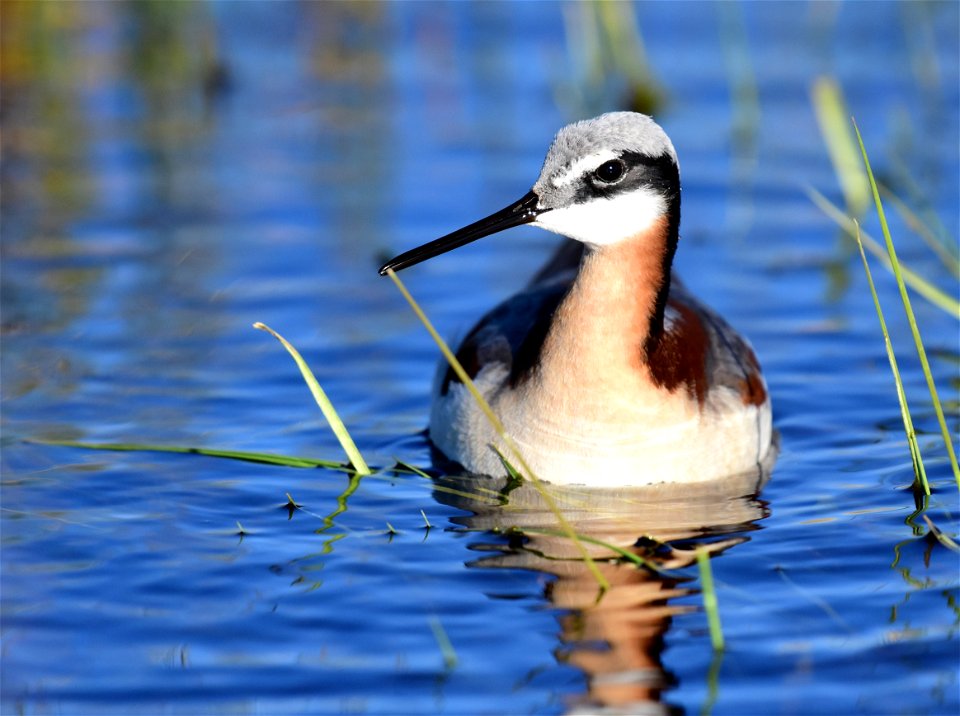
<point>640,446</point>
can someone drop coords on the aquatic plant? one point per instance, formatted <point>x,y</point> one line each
<point>858,185</point>
<point>710,604</point>
<point>911,278</point>
<point>919,471</point>
<point>908,309</point>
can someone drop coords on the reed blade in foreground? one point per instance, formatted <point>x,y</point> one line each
<point>908,309</point>
<point>710,604</point>
<point>920,473</point>
<point>326,407</point>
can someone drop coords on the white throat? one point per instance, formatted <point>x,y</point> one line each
<point>605,221</point>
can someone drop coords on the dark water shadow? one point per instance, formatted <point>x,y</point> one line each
<point>616,637</point>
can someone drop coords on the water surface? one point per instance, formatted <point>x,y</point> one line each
<point>174,172</point>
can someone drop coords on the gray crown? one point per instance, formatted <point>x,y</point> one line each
<point>614,132</point>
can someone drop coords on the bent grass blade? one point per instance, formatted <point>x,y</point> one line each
<point>943,538</point>
<point>326,407</point>
<point>501,431</point>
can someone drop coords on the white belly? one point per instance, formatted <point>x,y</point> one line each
<point>611,440</point>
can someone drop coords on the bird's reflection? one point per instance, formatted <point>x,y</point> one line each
<point>616,639</point>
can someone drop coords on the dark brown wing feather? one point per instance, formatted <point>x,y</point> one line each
<point>702,351</point>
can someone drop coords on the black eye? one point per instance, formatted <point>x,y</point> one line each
<point>609,172</point>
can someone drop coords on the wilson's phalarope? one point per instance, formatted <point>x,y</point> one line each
<point>604,369</point>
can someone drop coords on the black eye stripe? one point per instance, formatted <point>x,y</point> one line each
<point>660,173</point>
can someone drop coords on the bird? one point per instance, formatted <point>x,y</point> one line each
<point>604,369</point>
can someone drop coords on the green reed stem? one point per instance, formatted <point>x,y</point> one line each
<point>710,604</point>
<point>919,472</point>
<point>911,318</point>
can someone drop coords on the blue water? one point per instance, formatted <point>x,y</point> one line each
<point>174,172</point>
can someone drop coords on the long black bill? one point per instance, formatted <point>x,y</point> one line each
<point>520,212</point>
